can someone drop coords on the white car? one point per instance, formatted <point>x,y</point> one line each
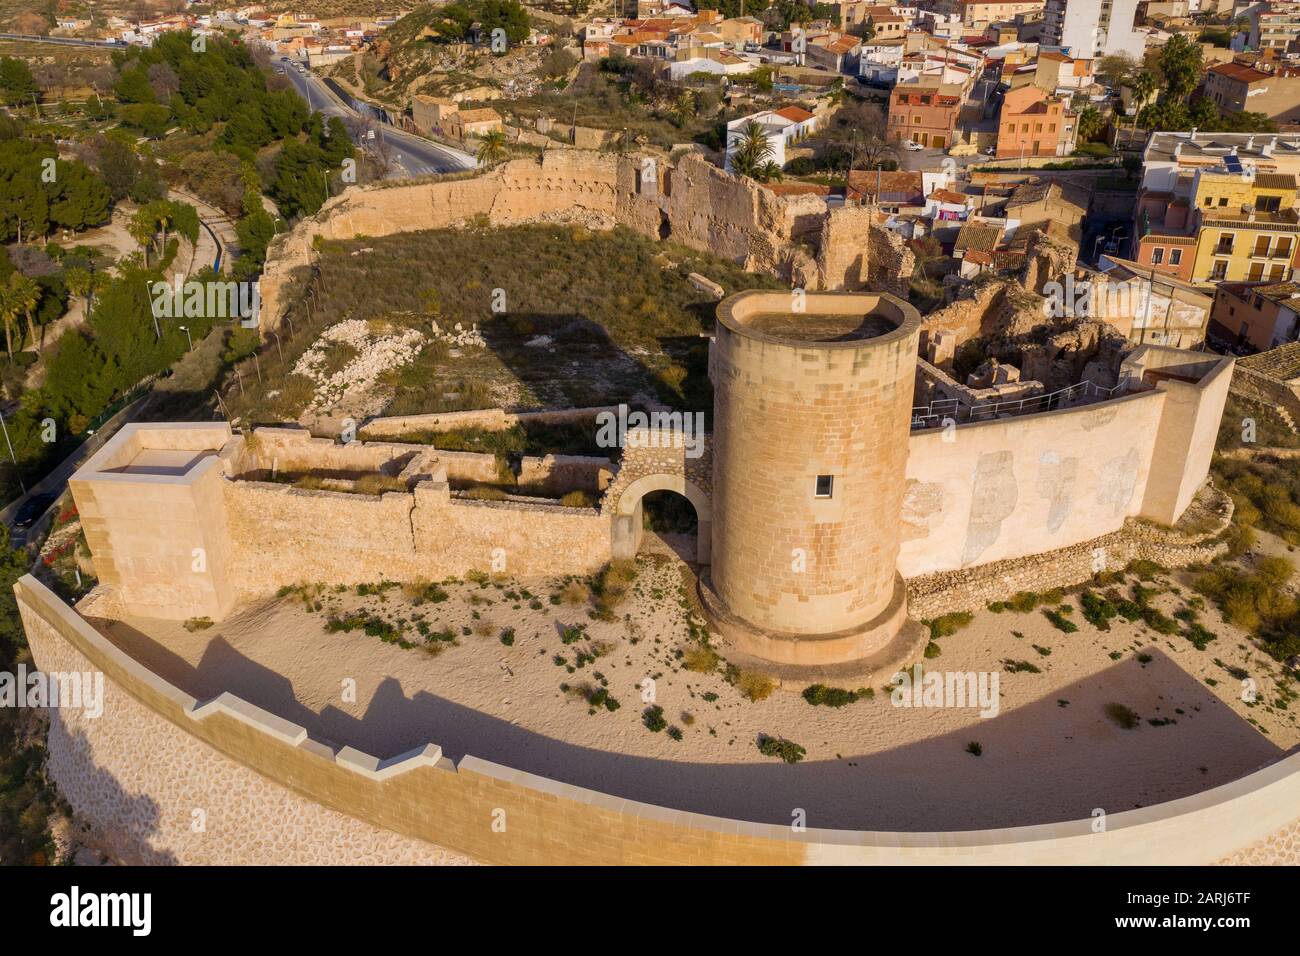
<point>914,147</point>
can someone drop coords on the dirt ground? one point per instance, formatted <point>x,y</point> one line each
<point>1051,753</point>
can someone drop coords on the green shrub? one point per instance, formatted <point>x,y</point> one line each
<point>787,750</point>
<point>948,624</point>
<point>653,718</point>
<point>1060,621</point>
<point>1122,716</point>
<point>819,695</point>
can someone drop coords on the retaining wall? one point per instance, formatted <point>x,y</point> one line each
<point>269,793</point>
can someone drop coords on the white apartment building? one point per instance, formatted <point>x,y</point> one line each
<point>1092,28</point>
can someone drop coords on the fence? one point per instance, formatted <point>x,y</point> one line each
<point>934,414</point>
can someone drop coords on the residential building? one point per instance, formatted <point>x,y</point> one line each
<point>1237,88</point>
<point>1274,26</point>
<point>980,13</point>
<point>879,60</point>
<point>1092,29</point>
<point>464,124</point>
<point>1034,123</point>
<point>1242,224</point>
<point>885,24</point>
<point>839,55</point>
<point>781,128</point>
<point>1262,316</point>
<point>890,191</point>
<point>925,112</point>
<point>1057,206</point>
<point>430,113</point>
<point>713,62</point>
<point>1056,71</point>
<point>1170,158</point>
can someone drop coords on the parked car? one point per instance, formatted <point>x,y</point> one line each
<point>914,147</point>
<point>32,509</point>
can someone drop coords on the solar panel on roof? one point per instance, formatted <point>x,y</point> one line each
<point>1233,163</point>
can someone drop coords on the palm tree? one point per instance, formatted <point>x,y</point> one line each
<point>1144,84</point>
<point>24,296</point>
<point>684,108</point>
<point>492,147</point>
<point>79,282</point>
<point>8,313</point>
<point>752,150</point>
<point>769,172</point>
<point>142,228</point>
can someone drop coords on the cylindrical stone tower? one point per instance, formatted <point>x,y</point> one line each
<point>811,418</point>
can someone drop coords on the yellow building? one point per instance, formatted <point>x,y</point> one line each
<point>1249,229</point>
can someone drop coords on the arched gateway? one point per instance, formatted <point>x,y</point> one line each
<point>649,466</point>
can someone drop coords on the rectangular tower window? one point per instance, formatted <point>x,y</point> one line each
<point>824,485</point>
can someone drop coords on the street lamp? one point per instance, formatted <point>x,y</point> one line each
<point>186,330</point>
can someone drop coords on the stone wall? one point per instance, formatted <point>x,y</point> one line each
<point>968,589</point>
<point>270,794</point>
<point>693,202</point>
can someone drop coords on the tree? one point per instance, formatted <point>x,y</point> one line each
<point>684,108</point>
<point>1180,62</point>
<point>1090,124</point>
<point>142,228</point>
<point>751,151</point>
<point>1144,85</point>
<point>1117,69</point>
<point>492,147</point>
<point>9,316</point>
<point>23,295</point>
<point>118,164</point>
<point>150,119</point>
<point>16,83</point>
<point>79,282</point>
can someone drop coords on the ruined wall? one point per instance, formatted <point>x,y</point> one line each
<point>692,202</point>
<point>271,794</point>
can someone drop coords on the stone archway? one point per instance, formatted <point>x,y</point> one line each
<point>626,529</point>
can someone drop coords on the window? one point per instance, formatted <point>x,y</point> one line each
<point>1157,256</point>
<point>1261,246</point>
<point>825,483</point>
<point>1220,271</point>
<point>1267,203</point>
<point>1256,272</point>
<point>1224,248</point>
<point>1223,202</point>
<point>1276,273</point>
<point>1175,256</point>
<point>1283,248</point>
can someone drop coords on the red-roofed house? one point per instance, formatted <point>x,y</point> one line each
<point>1238,88</point>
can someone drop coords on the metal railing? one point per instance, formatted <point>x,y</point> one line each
<point>935,414</point>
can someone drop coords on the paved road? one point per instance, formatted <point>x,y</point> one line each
<point>65,41</point>
<point>413,155</point>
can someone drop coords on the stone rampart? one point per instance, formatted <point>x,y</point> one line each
<point>692,202</point>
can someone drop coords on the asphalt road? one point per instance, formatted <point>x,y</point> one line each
<point>413,155</point>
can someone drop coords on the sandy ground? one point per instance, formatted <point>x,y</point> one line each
<point>1050,754</point>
